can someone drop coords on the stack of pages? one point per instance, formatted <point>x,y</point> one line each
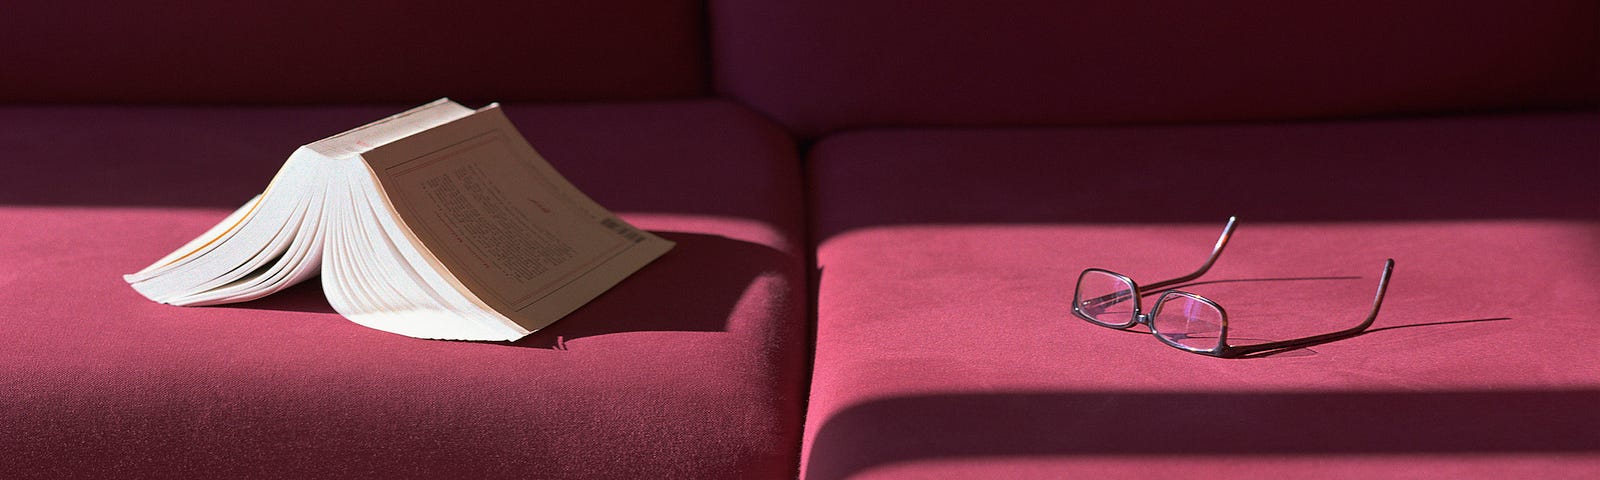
<point>440,222</point>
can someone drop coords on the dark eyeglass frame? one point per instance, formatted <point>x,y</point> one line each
<point>1222,348</point>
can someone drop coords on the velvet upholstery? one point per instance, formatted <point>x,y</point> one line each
<point>1460,167</point>
<point>820,67</point>
<point>299,51</point>
<point>945,346</point>
<point>880,208</point>
<point>693,367</point>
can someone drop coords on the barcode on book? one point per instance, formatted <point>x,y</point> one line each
<point>622,229</point>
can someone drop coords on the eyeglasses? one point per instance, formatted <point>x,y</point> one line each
<point>1185,320</point>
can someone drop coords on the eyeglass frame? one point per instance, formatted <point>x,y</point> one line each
<point>1222,348</point>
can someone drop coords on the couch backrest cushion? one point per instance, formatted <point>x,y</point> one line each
<point>835,64</point>
<point>363,51</point>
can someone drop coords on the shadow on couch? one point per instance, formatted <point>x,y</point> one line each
<point>1155,424</point>
<point>695,287</point>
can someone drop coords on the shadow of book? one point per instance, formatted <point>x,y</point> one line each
<point>696,287</point>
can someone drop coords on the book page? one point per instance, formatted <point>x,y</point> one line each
<point>372,135</point>
<point>494,214</point>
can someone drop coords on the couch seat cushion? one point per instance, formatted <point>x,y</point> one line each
<point>945,345</point>
<point>691,368</point>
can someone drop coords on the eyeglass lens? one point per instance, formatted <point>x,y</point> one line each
<point>1184,320</point>
<point>1105,298</point>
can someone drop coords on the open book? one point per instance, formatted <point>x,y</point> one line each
<point>440,222</point>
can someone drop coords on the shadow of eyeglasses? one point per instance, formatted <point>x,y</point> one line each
<point>1145,293</point>
<point>1286,351</point>
<point>1300,279</point>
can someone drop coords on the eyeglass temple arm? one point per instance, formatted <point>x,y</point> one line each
<point>1216,251</point>
<point>1377,301</point>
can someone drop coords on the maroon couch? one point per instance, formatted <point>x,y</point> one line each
<point>881,210</point>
